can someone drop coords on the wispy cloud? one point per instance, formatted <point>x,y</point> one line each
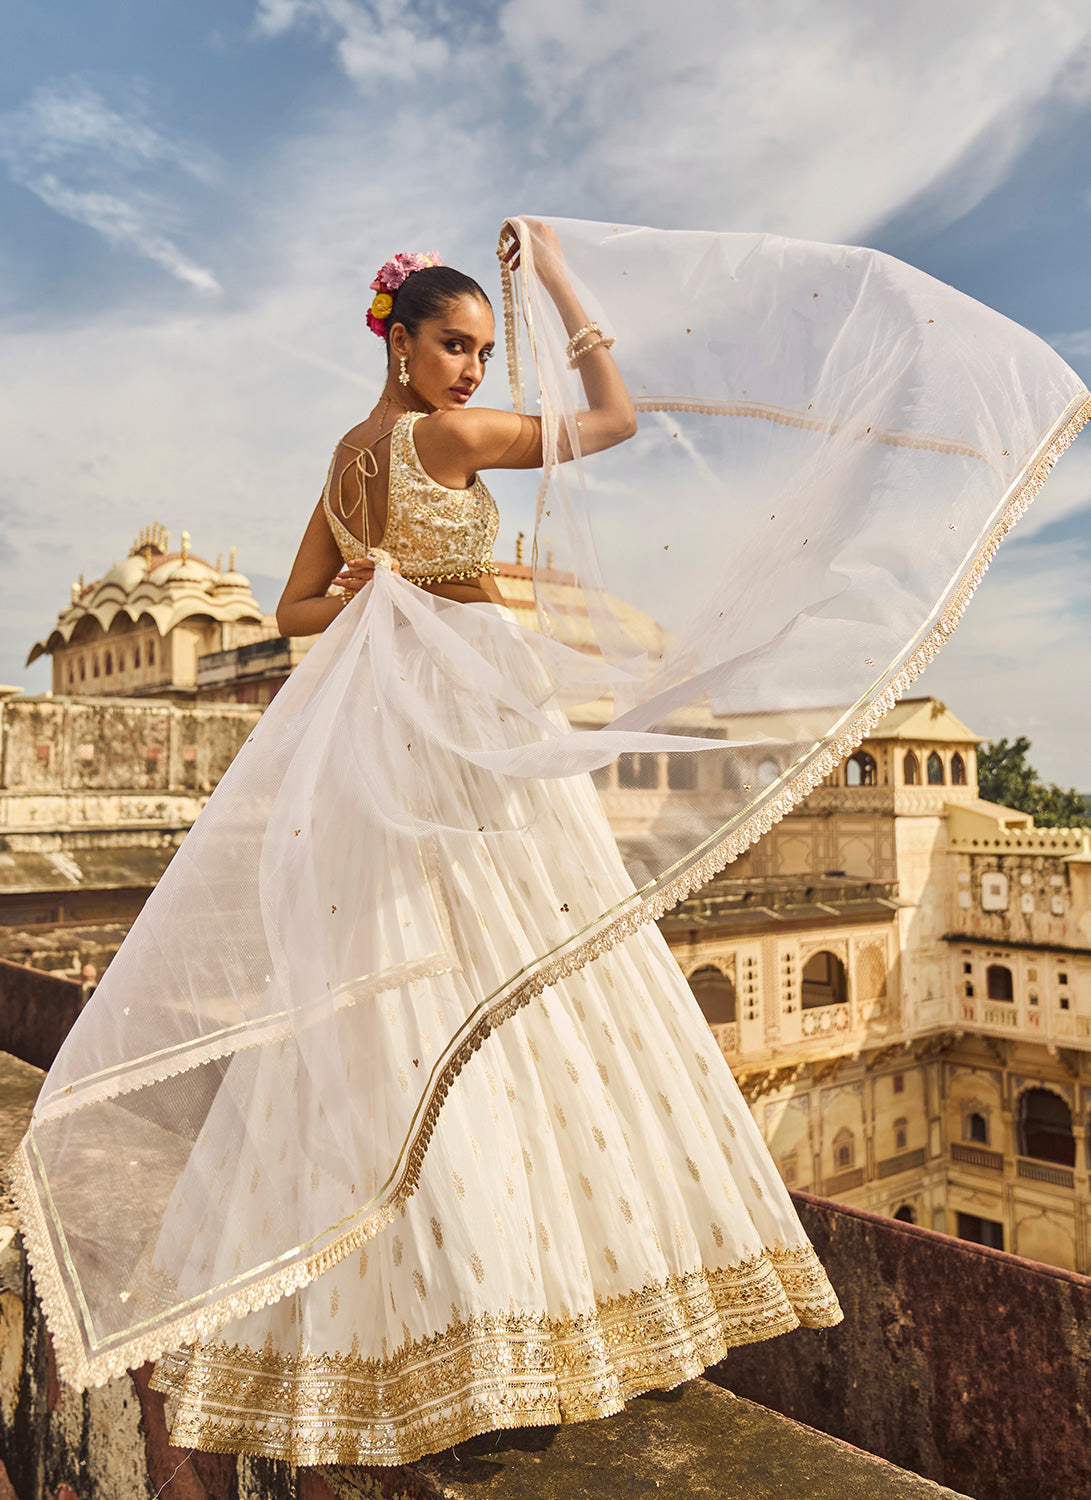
<point>1019,657</point>
<point>1072,344</point>
<point>90,162</point>
<point>812,120</point>
<point>374,39</point>
<point>817,121</point>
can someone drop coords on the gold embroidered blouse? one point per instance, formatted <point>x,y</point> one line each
<point>438,535</point>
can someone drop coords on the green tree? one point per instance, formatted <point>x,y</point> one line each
<point>1004,775</point>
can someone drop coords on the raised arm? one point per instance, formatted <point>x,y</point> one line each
<point>610,418</point>
<point>455,445</point>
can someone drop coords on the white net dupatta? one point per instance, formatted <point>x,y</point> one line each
<point>410,847</point>
<point>831,447</point>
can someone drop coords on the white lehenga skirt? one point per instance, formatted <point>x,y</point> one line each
<point>596,1214</point>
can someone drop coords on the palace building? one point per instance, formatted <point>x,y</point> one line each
<point>900,976</point>
<point>139,630</point>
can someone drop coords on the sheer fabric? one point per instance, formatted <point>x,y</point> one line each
<point>831,446</point>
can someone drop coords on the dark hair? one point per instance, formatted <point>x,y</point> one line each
<point>427,294</point>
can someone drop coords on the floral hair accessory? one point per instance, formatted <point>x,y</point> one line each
<point>391,274</point>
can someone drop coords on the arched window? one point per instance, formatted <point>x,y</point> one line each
<point>861,770</point>
<point>844,1149</point>
<point>682,773</point>
<point>109,663</point>
<point>94,665</point>
<point>136,656</point>
<point>83,670</point>
<point>958,770</point>
<point>151,653</point>
<point>638,772</point>
<point>911,769</point>
<point>901,1134</point>
<point>1045,1127</point>
<point>998,982</point>
<point>824,981</point>
<point>907,1213</point>
<point>935,770</point>
<point>977,1128</point>
<point>714,993</point>
<point>121,661</point>
<point>71,675</point>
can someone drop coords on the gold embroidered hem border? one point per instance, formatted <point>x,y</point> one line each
<point>487,1372</point>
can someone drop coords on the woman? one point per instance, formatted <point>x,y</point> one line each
<point>515,1283</point>
<point>421,1129</point>
<point>441,342</point>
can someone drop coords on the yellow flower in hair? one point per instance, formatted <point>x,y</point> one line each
<point>382,305</point>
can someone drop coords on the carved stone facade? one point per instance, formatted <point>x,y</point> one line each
<point>95,796</point>
<point>950,1082</point>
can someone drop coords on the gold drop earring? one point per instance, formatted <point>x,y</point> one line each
<point>403,374</point>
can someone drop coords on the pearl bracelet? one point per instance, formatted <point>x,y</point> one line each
<point>602,343</point>
<point>570,347</point>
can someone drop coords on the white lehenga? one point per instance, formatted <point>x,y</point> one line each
<point>418,1127</point>
<point>596,1213</point>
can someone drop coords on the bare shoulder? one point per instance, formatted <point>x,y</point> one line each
<point>482,438</point>
<point>353,440</point>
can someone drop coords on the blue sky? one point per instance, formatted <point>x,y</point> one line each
<point>194,197</point>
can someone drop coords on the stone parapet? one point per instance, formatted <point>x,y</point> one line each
<point>965,1364</point>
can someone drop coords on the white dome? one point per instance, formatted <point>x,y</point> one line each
<point>188,570</point>
<point>126,574</point>
<point>232,580</point>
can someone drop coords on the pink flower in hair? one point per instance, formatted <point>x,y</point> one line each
<point>394,271</point>
<point>390,276</point>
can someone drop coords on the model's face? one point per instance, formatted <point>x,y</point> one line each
<point>447,358</point>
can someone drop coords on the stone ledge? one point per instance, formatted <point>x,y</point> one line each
<point>695,1443</point>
